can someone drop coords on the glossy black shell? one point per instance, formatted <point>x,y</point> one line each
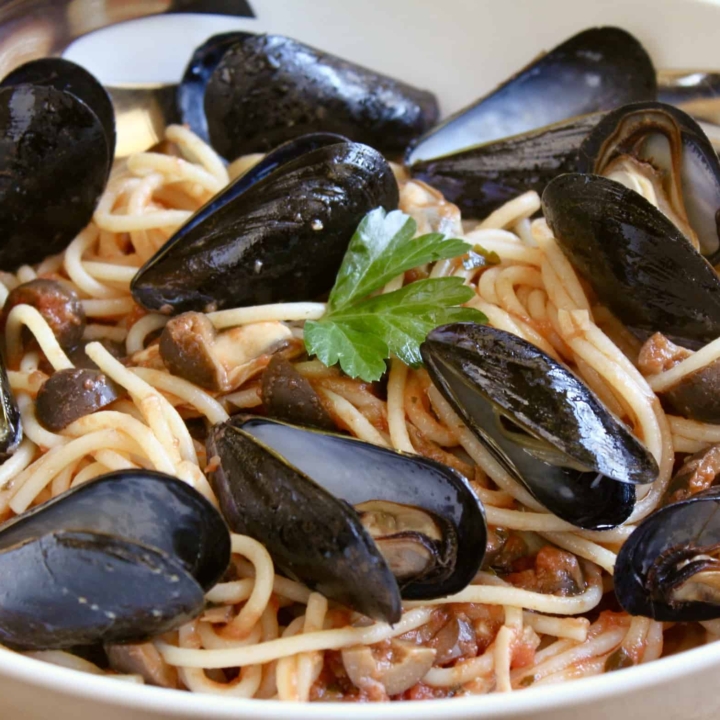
<point>485,373</point>
<point>268,89</point>
<point>293,489</point>
<point>639,264</point>
<point>64,75</point>
<point>595,70</point>
<point>11,432</point>
<point>671,536</point>
<point>54,162</point>
<point>277,234</point>
<point>191,90</point>
<point>122,558</point>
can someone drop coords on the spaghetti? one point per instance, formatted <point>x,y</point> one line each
<point>269,637</point>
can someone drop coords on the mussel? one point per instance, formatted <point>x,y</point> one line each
<point>529,129</point>
<point>122,558</point>
<point>540,422</point>
<point>191,90</point>
<point>360,523</point>
<point>661,152</point>
<point>637,261</point>
<point>268,89</point>
<point>55,158</point>
<point>279,232</point>
<point>11,432</point>
<point>669,567</point>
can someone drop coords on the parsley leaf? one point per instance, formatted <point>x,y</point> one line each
<point>381,249</point>
<point>361,332</point>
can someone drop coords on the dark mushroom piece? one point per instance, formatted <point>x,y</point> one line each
<point>667,151</point>
<point>527,131</point>
<point>192,349</point>
<point>79,358</point>
<point>289,397</point>
<point>68,395</point>
<point>57,303</point>
<point>279,232</point>
<point>540,422</point>
<point>268,89</point>
<point>636,260</point>
<point>693,393</point>
<point>317,500</point>
<point>669,567</point>
<point>54,164</point>
<point>79,560</point>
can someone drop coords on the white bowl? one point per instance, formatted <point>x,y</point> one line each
<point>459,49</point>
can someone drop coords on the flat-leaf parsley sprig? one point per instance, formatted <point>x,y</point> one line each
<point>361,332</point>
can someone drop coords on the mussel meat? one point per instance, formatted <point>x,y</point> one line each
<point>279,232</point>
<point>637,261</point>
<point>669,567</point>
<point>122,558</point>
<point>522,134</point>
<point>662,153</point>
<point>540,422</point>
<point>268,89</point>
<point>360,523</point>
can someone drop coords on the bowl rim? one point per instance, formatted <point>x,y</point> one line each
<point>105,690</point>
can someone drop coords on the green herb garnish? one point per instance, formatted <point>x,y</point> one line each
<point>361,332</point>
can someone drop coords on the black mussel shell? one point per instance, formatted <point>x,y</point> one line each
<point>11,432</point>
<point>64,75</point>
<point>268,89</point>
<point>639,264</point>
<point>278,233</point>
<point>541,423</point>
<point>294,488</point>
<point>191,90</point>
<point>595,70</point>
<point>671,142</point>
<point>141,506</point>
<point>482,178</point>
<point>655,567</point>
<point>76,588</point>
<point>54,162</point>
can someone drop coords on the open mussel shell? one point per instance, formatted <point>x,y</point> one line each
<point>122,558</point>
<point>11,432</point>
<point>595,70</point>
<point>64,75</point>
<point>268,89</point>
<point>637,261</point>
<point>278,233</point>
<point>191,90</point>
<point>668,569</point>
<point>306,495</point>
<point>540,422</point>
<point>670,151</point>
<point>54,162</point>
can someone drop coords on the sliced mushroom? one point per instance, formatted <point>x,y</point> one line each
<point>58,304</point>
<point>396,665</point>
<point>71,394</point>
<point>192,349</point>
<point>409,538</point>
<point>456,639</point>
<point>288,396</point>
<point>142,659</point>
